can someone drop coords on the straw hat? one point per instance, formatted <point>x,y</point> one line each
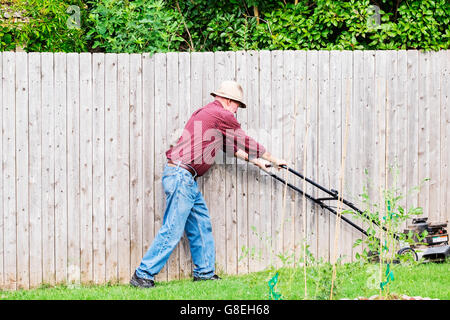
<point>231,90</point>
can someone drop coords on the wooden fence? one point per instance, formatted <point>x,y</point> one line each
<point>84,135</point>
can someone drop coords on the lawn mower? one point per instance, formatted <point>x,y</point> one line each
<point>434,247</point>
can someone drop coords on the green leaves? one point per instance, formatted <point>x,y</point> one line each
<point>357,243</point>
<point>46,25</point>
<point>137,26</point>
<point>213,25</point>
<point>351,25</point>
<point>384,220</point>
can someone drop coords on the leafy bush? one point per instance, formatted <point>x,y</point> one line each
<point>420,25</point>
<point>218,25</point>
<point>321,24</point>
<point>212,25</point>
<point>347,25</point>
<point>44,25</point>
<point>6,39</point>
<point>134,26</point>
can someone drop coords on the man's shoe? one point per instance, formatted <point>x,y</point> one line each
<point>141,282</point>
<point>214,277</point>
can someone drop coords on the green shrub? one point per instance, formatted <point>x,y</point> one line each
<point>347,25</point>
<point>314,25</point>
<point>46,25</point>
<point>6,39</point>
<point>213,25</point>
<point>420,25</point>
<point>134,26</point>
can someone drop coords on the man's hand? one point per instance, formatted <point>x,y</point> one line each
<point>263,164</point>
<point>277,162</point>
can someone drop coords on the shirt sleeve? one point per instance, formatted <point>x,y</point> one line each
<point>235,138</point>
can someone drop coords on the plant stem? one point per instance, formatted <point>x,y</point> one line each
<point>305,144</point>
<point>341,188</point>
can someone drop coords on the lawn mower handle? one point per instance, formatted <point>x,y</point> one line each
<point>334,196</point>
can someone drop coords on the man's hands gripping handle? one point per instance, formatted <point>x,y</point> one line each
<point>265,162</point>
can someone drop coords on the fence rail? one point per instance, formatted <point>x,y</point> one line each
<point>84,135</point>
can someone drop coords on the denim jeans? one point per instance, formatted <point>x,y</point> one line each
<point>186,211</point>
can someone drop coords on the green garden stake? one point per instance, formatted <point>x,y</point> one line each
<point>389,276</point>
<point>272,293</point>
<point>385,248</point>
<point>391,214</point>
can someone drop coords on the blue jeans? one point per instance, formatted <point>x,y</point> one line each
<point>186,211</point>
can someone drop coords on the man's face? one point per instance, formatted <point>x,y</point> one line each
<point>233,106</point>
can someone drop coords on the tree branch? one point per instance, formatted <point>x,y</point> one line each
<point>185,25</point>
<point>256,13</point>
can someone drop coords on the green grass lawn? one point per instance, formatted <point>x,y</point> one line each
<point>353,280</point>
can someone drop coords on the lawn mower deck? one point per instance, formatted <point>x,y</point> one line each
<point>434,247</point>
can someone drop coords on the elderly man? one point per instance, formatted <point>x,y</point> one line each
<point>209,129</point>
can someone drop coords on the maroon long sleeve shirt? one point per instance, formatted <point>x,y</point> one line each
<point>210,129</point>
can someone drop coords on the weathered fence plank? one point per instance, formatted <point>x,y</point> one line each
<point>391,117</point>
<point>288,153</point>
<point>123,166</point>
<point>136,161</point>
<point>445,135</point>
<point>424,129</point>
<point>412,178</point>
<point>381,151</point>
<point>433,92</point>
<point>369,124</point>
<point>323,147</point>
<point>60,155</point>
<point>300,89</point>
<point>241,182</point>
<point>264,137</point>
<point>334,132</point>
<point>3,280</point>
<point>277,149</point>
<point>22,209</point>
<point>86,179</point>
<point>148,152</point>
<point>111,152</point>
<point>98,168</point>
<point>402,123</point>
<point>47,191</point>
<point>255,242</point>
<point>34,170</point>
<point>356,154</point>
<point>73,168</point>
<point>347,112</point>
<point>9,172</point>
<point>312,71</point>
